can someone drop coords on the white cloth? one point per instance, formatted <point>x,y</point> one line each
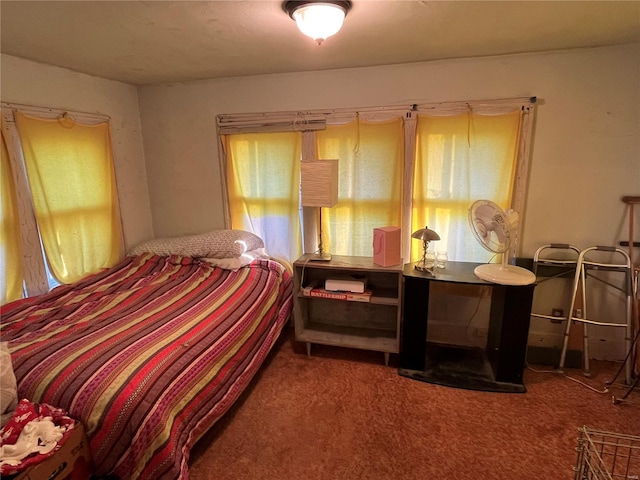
<point>8,387</point>
<point>37,436</point>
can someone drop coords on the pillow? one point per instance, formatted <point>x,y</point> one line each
<point>216,244</point>
<point>235,263</point>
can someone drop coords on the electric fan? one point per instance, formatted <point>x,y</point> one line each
<point>495,229</point>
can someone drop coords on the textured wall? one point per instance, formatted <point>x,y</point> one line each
<point>41,85</point>
<point>585,157</point>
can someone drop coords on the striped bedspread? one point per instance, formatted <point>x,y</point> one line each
<point>148,354</point>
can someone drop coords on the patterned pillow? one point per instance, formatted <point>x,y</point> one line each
<point>216,244</point>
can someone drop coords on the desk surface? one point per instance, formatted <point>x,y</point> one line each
<point>458,272</point>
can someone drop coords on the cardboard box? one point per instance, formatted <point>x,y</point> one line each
<point>387,246</point>
<point>71,462</point>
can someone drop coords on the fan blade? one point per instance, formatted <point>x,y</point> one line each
<point>502,235</point>
<point>481,228</point>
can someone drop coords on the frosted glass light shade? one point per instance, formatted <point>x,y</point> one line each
<point>317,19</point>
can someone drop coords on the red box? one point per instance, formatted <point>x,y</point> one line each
<point>71,462</point>
<point>387,249</point>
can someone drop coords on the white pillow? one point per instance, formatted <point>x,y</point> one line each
<point>216,244</point>
<point>235,263</point>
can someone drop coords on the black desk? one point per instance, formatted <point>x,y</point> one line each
<point>499,367</point>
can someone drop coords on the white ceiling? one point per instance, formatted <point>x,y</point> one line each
<point>152,42</point>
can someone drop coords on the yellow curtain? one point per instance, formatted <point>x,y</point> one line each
<point>70,172</point>
<point>370,157</point>
<point>263,183</point>
<point>460,159</point>
<point>11,284</point>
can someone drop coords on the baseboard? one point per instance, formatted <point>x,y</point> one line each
<point>551,356</point>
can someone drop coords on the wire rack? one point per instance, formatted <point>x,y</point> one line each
<point>607,456</point>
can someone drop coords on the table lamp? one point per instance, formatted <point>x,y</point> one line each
<point>319,188</point>
<point>426,235</point>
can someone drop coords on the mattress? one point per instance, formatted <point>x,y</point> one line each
<point>148,354</point>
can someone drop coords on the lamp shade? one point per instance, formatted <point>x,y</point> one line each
<point>318,19</point>
<point>425,234</point>
<point>319,183</point>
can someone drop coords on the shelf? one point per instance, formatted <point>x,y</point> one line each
<point>460,367</point>
<point>369,325</point>
<point>353,337</point>
<point>378,298</point>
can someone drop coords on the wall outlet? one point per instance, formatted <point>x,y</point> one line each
<point>557,312</point>
<point>577,313</point>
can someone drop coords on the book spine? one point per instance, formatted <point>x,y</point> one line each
<point>320,293</point>
<point>348,296</point>
<point>359,297</point>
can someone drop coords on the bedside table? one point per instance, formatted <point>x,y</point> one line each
<point>366,322</point>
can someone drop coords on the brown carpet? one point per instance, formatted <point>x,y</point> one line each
<point>341,414</point>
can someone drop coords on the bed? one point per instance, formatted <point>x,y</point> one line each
<point>148,354</point>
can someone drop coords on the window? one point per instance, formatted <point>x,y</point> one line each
<point>68,207</point>
<point>10,248</point>
<point>408,167</point>
<point>263,175</point>
<point>459,159</point>
<point>370,158</point>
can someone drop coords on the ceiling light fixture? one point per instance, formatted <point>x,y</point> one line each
<point>318,19</point>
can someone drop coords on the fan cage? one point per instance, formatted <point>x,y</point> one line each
<point>499,217</point>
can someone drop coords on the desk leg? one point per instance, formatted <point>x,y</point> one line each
<point>414,328</point>
<point>509,331</point>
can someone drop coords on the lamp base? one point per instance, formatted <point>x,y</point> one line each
<point>504,274</point>
<point>424,269</point>
<point>319,257</point>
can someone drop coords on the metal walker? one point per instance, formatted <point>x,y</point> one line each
<point>590,261</point>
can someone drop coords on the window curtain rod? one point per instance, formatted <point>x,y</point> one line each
<point>317,119</point>
<point>267,123</point>
<point>51,112</point>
